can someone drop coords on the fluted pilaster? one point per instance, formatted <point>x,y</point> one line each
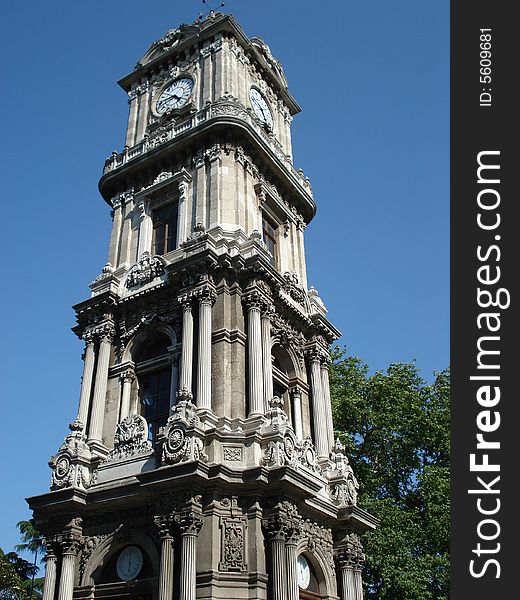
<point>185,376</point>
<point>319,416</point>
<point>296,395</point>
<point>254,346</point>
<point>266,356</point>
<point>326,401</point>
<point>206,297</point>
<point>105,334</point>
<point>189,525</point>
<point>349,559</point>
<point>70,548</point>
<point>126,379</point>
<point>164,524</point>
<point>49,585</point>
<point>86,382</point>
<point>291,556</point>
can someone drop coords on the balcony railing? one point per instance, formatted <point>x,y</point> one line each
<point>225,107</point>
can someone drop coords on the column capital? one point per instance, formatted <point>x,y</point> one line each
<point>254,299</point>
<point>350,553</point>
<point>316,353</point>
<point>296,391</point>
<point>165,524</point>
<point>128,375</point>
<point>189,522</point>
<point>205,294</point>
<point>105,332</point>
<point>89,337</point>
<point>186,301</point>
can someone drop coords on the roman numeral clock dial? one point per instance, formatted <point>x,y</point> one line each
<point>261,108</point>
<point>174,95</point>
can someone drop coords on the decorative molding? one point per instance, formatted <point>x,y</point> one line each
<point>343,486</point>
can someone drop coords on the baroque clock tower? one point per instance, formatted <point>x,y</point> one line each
<point>202,462</point>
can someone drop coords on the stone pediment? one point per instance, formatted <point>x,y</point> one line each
<point>171,39</point>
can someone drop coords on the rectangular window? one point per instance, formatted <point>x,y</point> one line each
<point>269,237</point>
<point>165,229</point>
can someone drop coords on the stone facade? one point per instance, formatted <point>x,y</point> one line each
<point>202,463</point>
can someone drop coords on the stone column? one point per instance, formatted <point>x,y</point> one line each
<point>326,401</point>
<point>164,525</point>
<point>132,117</point>
<point>319,417</point>
<point>105,334</point>
<point>49,585</point>
<point>292,565</point>
<point>86,382</point>
<point>349,559</point>
<point>126,379</point>
<point>174,380</point>
<point>206,297</point>
<point>296,394</point>
<point>182,212</point>
<point>254,346</point>
<point>145,230</point>
<point>266,356</point>
<point>278,572</point>
<point>115,236</point>
<point>185,378</point>
<point>189,524</point>
<point>70,548</point>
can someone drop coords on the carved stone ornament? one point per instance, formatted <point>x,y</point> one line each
<point>343,486</point>
<point>280,444</point>
<point>182,436</point>
<point>294,288</point>
<point>233,545</point>
<point>350,553</point>
<point>70,465</point>
<point>145,270</point>
<point>106,273</point>
<point>131,438</point>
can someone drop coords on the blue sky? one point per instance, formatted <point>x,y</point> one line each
<point>372,78</point>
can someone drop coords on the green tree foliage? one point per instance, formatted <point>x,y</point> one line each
<point>17,575</point>
<point>396,429</point>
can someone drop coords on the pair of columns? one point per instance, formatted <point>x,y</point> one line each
<point>260,386</point>
<point>284,566</point>
<point>98,343</point>
<point>189,525</point>
<point>205,296</point>
<point>322,410</point>
<point>349,560</point>
<point>69,550</point>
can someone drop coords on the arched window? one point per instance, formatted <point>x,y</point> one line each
<point>157,377</point>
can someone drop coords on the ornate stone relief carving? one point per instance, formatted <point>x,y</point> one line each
<point>294,288</point>
<point>131,438</point>
<point>70,465</point>
<point>280,445</point>
<point>350,553</point>
<point>343,485</point>
<point>233,544</point>
<point>182,438</point>
<point>145,270</point>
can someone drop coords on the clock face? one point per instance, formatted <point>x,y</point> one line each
<point>174,95</point>
<point>261,108</point>
<point>129,563</point>
<point>304,572</point>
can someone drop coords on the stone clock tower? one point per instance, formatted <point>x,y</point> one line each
<point>202,462</point>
